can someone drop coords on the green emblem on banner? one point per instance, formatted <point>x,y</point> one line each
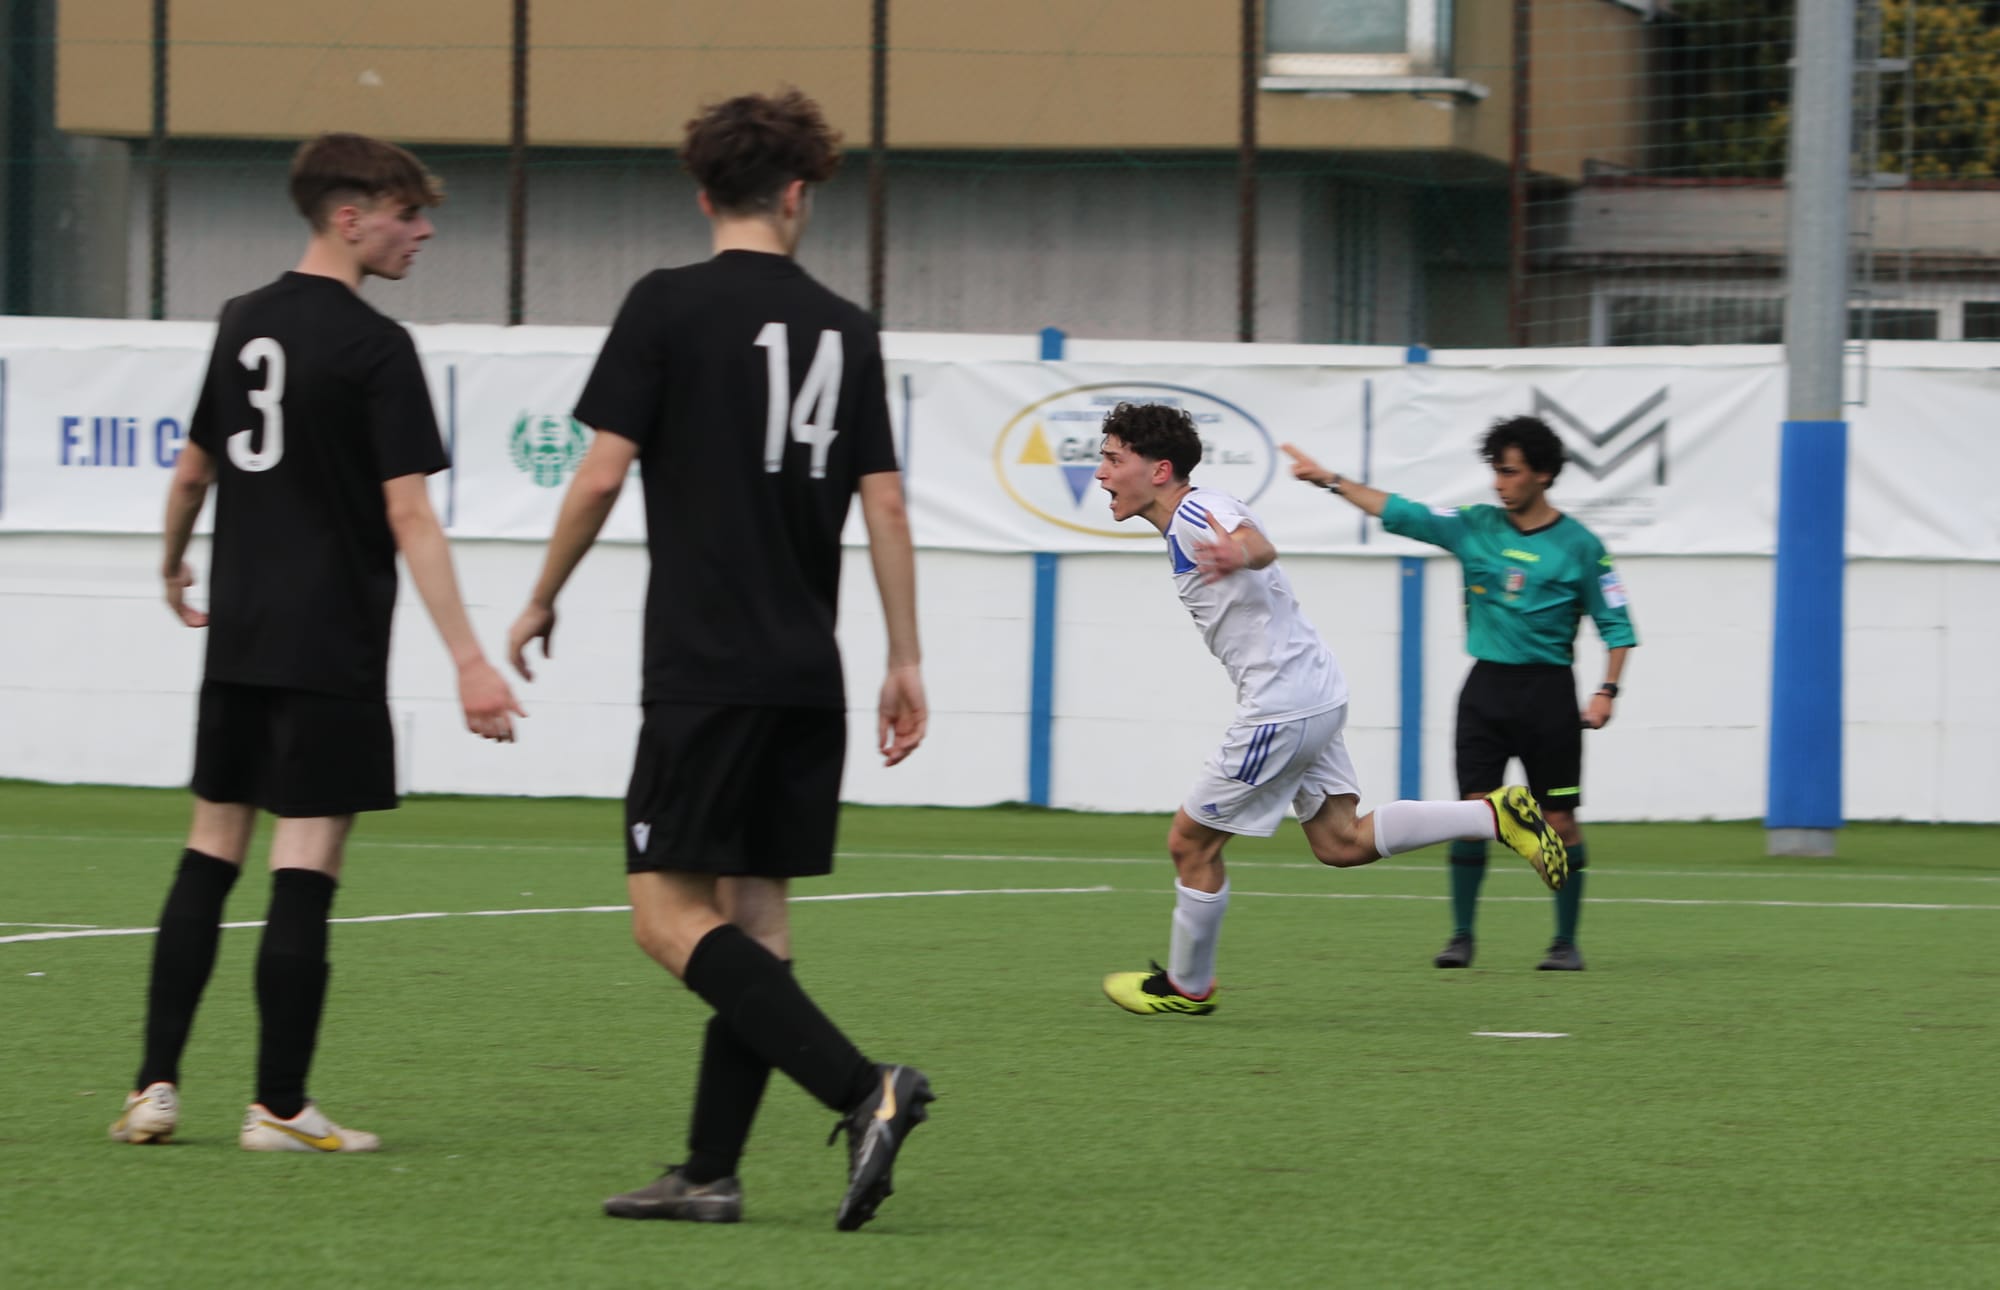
<point>547,446</point>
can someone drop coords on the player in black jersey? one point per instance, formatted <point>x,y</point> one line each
<point>316,429</point>
<point>753,400</point>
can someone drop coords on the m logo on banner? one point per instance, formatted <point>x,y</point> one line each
<point>1621,445</point>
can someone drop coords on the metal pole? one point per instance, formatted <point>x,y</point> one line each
<point>878,131</point>
<point>156,221</point>
<point>517,171</point>
<point>1246,181</point>
<point>1517,185</point>
<point>1804,806</point>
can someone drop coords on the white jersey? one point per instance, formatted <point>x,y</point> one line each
<point>1251,620</point>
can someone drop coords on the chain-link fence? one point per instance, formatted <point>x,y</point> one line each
<point>1351,171</point>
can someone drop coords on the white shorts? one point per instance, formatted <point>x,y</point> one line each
<point>1262,769</point>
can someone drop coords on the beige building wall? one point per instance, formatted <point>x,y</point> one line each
<point>1114,74</point>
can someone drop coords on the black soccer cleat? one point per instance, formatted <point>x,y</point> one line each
<point>876,1130</point>
<point>1562,957</point>
<point>1457,952</point>
<point>671,1196</point>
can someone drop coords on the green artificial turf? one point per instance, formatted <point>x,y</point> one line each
<point>1774,1072</point>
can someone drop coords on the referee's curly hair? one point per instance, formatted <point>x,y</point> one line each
<point>1157,433</point>
<point>1540,446</point>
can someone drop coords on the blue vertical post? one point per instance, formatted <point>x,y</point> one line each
<point>1806,644</point>
<point>1410,738</point>
<point>1042,674</point>
<point>1802,809</point>
<point>1410,747</point>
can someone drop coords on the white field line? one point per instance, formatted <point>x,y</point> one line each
<point>78,926</point>
<point>578,909</point>
<point>1500,866</point>
<point>1053,891</point>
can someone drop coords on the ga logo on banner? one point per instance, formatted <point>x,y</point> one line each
<point>1046,456</point>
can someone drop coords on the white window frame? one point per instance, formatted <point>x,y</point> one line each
<point>1426,52</point>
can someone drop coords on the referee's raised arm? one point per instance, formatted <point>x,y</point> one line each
<point>1305,469</point>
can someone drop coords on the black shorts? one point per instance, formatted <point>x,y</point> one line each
<point>733,790</point>
<point>292,752</point>
<point>1527,711</point>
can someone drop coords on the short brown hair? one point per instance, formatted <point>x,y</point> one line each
<point>345,166</point>
<point>743,151</point>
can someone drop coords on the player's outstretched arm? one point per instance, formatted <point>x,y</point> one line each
<point>902,715</point>
<point>490,707</point>
<point>600,477</point>
<point>194,471</point>
<point>1305,468</point>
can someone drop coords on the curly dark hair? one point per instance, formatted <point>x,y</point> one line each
<point>1540,447</point>
<point>1157,433</point>
<point>743,151</point>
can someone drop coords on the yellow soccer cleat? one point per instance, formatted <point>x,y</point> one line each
<point>1522,827</point>
<point>151,1115</point>
<point>1151,992</point>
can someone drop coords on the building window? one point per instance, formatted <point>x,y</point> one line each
<point>1982,320</point>
<point>1725,313</point>
<point>1357,37</point>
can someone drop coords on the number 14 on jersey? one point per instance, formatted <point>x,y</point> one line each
<point>809,417</point>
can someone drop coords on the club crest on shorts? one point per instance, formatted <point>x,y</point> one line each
<point>640,834</point>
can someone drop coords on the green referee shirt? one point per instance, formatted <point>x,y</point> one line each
<point>1524,592</point>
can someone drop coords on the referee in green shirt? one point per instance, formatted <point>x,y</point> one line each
<point>1531,573</point>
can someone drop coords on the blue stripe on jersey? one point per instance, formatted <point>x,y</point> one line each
<point>1193,514</point>
<point>1181,563</point>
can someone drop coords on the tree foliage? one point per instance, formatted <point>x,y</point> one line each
<point>1728,89</point>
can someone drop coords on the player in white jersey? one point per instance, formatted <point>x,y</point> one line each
<point>1284,748</point>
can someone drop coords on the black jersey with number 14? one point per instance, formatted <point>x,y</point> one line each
<point>312,400</point>
<point>756,398</point>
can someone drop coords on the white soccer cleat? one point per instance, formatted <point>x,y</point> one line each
<point>151,1115</point>
<point>309,1130</point>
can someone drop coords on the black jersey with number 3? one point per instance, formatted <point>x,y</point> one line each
<point>756,398</point>
<point>312,400</point>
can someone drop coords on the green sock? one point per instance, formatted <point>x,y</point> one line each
<point>1468,871</point>
<point>1569,901</point>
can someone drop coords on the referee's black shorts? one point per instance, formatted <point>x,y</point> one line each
<point>293,752</point>
<point>735,791</point>
<point>1524,710</point>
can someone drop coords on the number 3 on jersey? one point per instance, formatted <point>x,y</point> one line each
<point>810,418</point>
<point>269,401</point>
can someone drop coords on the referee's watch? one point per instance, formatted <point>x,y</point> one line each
<point>1333,485</point>
<point>1609,689</point>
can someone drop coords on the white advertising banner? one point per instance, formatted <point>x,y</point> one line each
<point>1670,452</point>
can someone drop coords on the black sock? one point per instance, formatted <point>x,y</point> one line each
<point>728,1089</point>
<point>183,957</point>
<point>291,986</point>
<point>749,989</point>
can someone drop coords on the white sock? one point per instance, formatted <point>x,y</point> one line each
<point>1197,927</point>
<point>1406,826</point>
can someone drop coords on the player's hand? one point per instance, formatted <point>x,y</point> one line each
<point>1597,714</point>
<point>902,715</point>
<point>1305,468</point>
<point>536,621</point>
<point>1218,559</point>
<point>178,581</point>
<point>490,707</point>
